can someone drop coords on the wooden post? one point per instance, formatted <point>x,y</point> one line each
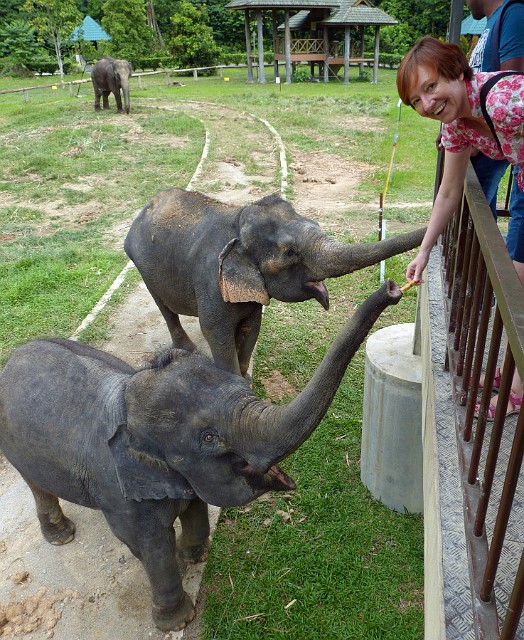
<point>377,49</point>
<point>260,27</point>
<point>248,47</point>
<point>326,54</point>
<point>139,81</point>
<point>275,42</point>
<point>195,74</point>
<point>362,53</point>
<point>287,46</point>
<point>347,50</point>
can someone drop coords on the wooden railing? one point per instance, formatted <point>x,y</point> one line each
<point>311,45</point>
<point>484,309</point>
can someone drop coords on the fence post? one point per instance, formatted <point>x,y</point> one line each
<point>221,71</point>
<point>26,95</point>
<point>168,78</point>
<point>195,74</point>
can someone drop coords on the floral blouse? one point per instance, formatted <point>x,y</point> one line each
<point>505,105</point>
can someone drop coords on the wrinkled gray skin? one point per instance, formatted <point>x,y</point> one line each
<point>199,257</point>
<point>110,76</point>
<point>148,446</point>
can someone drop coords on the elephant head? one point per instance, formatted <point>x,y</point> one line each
<point>195,430</point>
<point>280,254</point>
<point>122,71</point>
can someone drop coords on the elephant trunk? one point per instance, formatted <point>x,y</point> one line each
<point>339,258</point>
<point>279,430</point>
<point>125,93</point>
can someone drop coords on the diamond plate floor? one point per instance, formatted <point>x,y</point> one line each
<point>459,601</point>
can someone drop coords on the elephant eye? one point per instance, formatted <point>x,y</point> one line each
<point>290,252</point>
<point>209,436</point>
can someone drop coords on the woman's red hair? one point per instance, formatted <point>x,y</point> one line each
<point>445,58</point>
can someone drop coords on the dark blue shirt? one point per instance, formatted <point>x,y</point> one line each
<point>511,38</point>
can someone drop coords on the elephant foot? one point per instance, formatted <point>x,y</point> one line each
<point>176,617</point>
<point>192,555</point>
<point>58,533</point>
<point>98,109</point>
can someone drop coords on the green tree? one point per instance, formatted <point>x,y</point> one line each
<point>91,8</point>
<point>416,18</point>
<point>10,10</point>
<point>192,42</point>
<point>54,21</point>
<point>125,21</point>
<point>18,42</point>
<point>228,25</point>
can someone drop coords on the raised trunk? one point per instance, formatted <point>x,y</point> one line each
<point>280,430</point>
<point>339,258</point>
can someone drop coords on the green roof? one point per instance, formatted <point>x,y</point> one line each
<point>89,30</point>
<point>344,12</point>
<point>358,13</point>
<point>472,27</point>
<point>282,4</point>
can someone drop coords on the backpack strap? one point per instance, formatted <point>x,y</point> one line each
<point>495,37</point>
<point>484,94</point>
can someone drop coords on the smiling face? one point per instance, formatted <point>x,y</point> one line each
<point>433,96</point>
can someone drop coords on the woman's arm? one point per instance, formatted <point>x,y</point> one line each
<point>446,203</point>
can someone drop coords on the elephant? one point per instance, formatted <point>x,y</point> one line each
<point>147,446</point>
<point>110,76</point>
<point>222,263</point>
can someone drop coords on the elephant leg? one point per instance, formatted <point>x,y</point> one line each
<point>246,339</point>
<point>118,99</point>
<point>105,99</point>
<point>97,100</point>
<point>193,545</point>
<point>149,533</point>
<point>178,335</point>
<point>56,528</point>
<point>220,336</point>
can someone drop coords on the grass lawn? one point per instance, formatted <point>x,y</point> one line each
<point>327,561</point>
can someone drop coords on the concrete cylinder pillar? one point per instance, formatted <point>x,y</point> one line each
<point>391,452</point>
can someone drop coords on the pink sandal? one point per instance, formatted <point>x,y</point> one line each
<point>514,399</point>
<point>496,381</point>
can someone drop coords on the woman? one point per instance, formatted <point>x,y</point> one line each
<point>435,79</point>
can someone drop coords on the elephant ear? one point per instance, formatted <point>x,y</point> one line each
<point>143,476</point>
<point>238,277</point>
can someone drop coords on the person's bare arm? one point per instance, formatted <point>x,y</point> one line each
<point>446,203</point>
<point>515,64</point>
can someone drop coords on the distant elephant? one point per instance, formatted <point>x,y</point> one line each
<point>148,446</point>
<point>110,76</point>
<point>199,257</point>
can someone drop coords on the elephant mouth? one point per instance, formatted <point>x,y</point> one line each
<point>273,480</point>
<point>319,291</point>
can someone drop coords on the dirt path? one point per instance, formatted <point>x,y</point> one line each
<point>93,588</point>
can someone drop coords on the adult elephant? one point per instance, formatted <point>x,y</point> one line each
<point>202,258</point>
<point>109,75</point>
<point>148,446</point>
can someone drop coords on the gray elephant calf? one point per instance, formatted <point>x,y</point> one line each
<point>202,258</point>
<point>109,75</point>
<point>148,446</point>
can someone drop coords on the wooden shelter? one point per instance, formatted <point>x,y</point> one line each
<point>320,21</point>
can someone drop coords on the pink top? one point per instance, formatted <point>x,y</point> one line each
<point>505,106</point>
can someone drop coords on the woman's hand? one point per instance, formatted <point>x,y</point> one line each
<point>416,267</point>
